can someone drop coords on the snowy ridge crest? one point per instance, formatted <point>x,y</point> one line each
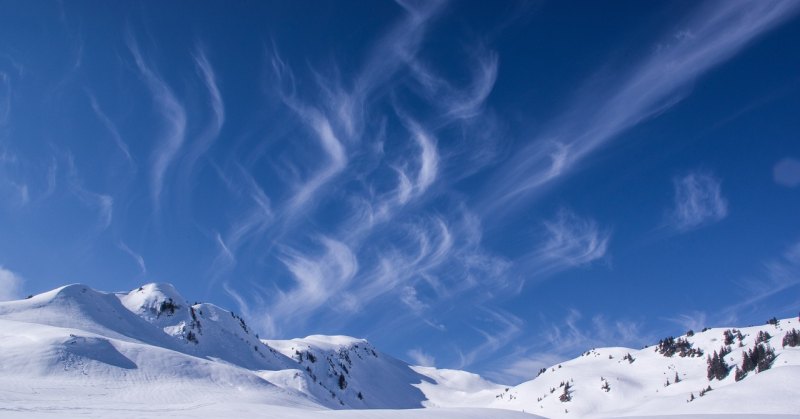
<point>150,346</point>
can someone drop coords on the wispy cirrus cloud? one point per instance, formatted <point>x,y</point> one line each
<point>698,201</point>
<point>778,275</point>
<point>316,278</point>
<point>569,241</point>
<point>112,129</point>
<point>102,203</point>
<point>336,156</point>
<point>173,114</point>
<point>504,327</point>
<point>5,97</point>
<point>421,358</point>
<point>523,366</point>
<point>428,157</point>
<point>693,320</point>
<point>135,256</point>
<point>18,187</point>
<point>718,30</point>
<point>211,132</point>
<point>317,123</point>
<point>17,193</point>
<point>453,102</point>
<point>10,284</point>
<point>565,338</point>
<point>249,225</point>
<point>787,172</point>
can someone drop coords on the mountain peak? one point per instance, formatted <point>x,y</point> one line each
<point>150,300</point>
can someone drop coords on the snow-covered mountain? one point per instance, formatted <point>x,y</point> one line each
<point>676,376</point>
<point>77,351</point>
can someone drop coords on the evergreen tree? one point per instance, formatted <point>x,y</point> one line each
<point>606,386</point>
<point>725,350</point>
<point>728,336</point>
<point>566,396</point>
<point>747,362</point>
<point>739,374</point>
<point>717,367</point>
<point>791,339</point>
<point>766,357</point>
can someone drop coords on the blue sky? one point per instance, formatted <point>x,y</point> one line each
<point>486,187</point>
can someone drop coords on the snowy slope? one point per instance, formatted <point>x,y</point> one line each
<point>202,329</point>
<point>74,340</point>
<point>352,373</point>
<point>640,387</point>
<point>75,351</point>
<point>80,307</point>
<point>455,388</point>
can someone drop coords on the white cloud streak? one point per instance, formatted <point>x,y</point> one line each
<point>212,130</point>
<point>523,367</point>
<point>428,158</point>
<point>718,31</point>
<point>18,191</point>
<point>698,201</point>
<point>102,203</point>
<point>779,275</point>
<point>570,241</point>
<point>505,328</point>
<point>174,117</point>
<point>317,278</point>
<point>694,320</point>
<point>5,98</point>
<point>395,49</point>
<point>787,172</point>
<point>571,335</point>
<point>421,358</point>
<point>251,225</point>
<point>112,129</point>
<point>10,285</point>
<point>135,256</point>
<point>455,103</point>
<point>565,339</point>
<point>336,155</point>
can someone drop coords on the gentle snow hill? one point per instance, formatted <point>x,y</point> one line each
<point>80,307</point>
<point>606,382</point>
<point>455,388</point>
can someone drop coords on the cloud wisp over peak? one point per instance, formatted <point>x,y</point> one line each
<point>10,284</point>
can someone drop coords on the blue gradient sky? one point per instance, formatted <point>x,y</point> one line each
<point>492,187</point>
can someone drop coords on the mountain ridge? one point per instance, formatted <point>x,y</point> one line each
<point>75,339</point>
